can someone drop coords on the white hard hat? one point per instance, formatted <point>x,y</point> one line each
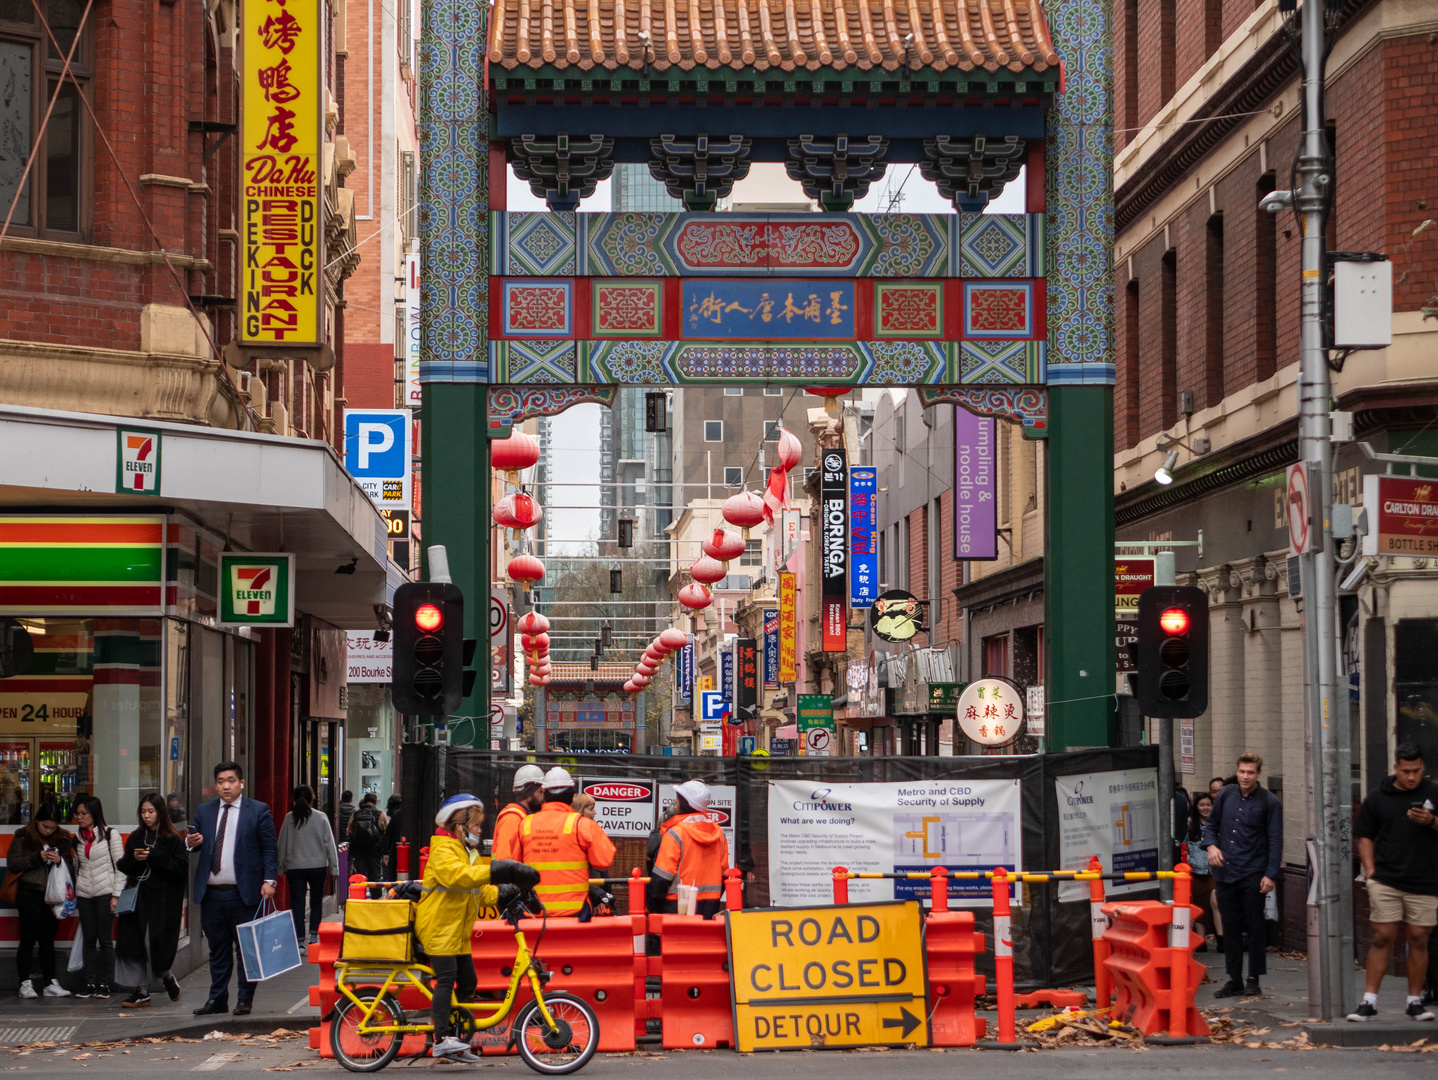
<point>695,793</point>
<point>528,774</point>
<point>557,779</point>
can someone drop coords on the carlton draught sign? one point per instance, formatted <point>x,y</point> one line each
<point>834,563</point>
<point>1405,513</point>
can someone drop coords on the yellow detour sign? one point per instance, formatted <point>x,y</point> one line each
<point>848,975</point>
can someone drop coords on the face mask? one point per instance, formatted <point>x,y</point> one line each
<point>471,840</point>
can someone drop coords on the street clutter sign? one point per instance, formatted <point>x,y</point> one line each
<point>1130,577</point>
<point>863,535</point>
<point>368,660</point>
<point>897,616</point>
<point>257,590</point>
<point>377,454</point>
<point>1113,815</point>
<point>1299,500</point>
<point>1404,516</point>
<point>991,712</point>
<point>501,644</point>
<point>890,828</point>
<point>137,469</point>
<point>788,630</point>
<point>976,526</point>
<point>828,977</point>
<point>816,725</point>
<point>624,807</point>
<point>834,550</point>
<point>711,706</point>
<point>1035,704</point>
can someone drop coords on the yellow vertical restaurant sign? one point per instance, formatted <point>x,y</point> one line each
<point>281,230</point>
<point>788,628</point>
<point>828,977</point>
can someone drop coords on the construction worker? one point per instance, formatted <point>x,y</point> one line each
<point>562,845</point>
<point>678,811</point>
<point>692,852</point>
<point>528,798</point>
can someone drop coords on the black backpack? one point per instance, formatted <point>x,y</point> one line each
<point>366,831</point>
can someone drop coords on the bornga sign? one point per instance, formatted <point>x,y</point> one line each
<point>847,975</point>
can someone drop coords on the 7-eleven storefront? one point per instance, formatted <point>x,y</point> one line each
<point>152,654</point>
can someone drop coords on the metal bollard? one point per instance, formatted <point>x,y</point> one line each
<point>841,884</point>
<point>1098,921</point>
<point>938,891</point>
<point>733,889</point>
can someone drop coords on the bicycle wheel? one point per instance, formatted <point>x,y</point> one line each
<point>365,1051</point>
<point>565,1049</point>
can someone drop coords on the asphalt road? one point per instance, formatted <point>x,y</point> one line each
<point>259,1055</point>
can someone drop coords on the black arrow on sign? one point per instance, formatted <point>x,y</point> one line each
<point>907,1020</point>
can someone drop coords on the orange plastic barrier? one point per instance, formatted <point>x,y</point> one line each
<point>1058,999</point>
<point>1152,966</point>
<point>697,1009</point>
<point>950,946</point>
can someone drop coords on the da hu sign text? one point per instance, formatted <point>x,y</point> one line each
<point>282,131</point>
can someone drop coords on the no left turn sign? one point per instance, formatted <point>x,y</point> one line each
<point>1297,500</point>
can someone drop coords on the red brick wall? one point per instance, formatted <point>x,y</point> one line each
<point>369,376</point>
<point>950,626</point>
<point>1409,141</point>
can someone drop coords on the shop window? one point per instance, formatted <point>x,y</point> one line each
<point>1415,685</point>
<point>713,430</point>
<point>54,198</point>
<point>996,656</point>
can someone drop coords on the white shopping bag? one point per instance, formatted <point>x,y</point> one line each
<point>77,952</point>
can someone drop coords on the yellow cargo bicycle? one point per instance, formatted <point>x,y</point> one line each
<point>555,1033</point>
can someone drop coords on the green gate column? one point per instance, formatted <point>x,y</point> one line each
<point>455,512</point>
<point>1078,569</point>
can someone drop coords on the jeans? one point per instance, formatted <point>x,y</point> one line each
<point>221,912</point>
<point>311,879</point>
<point>97,923</point>
<point>1241,906</point>
<point>37,928</point>
<point>451,973</point>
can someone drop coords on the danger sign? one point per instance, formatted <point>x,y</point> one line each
<point>623,807</point>
<point>827,977</point>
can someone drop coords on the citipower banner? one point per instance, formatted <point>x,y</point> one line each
<point>889,828</point>
<point>1113,815</point>
<point>282,253</point>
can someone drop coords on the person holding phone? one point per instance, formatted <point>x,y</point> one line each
<point>236,870</point>
<point>156,864</point>
<point>1397,834</point>
<point>34,850</point>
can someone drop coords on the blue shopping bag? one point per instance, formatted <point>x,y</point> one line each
<point>268,946</point>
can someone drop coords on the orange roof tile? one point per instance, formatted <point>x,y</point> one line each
<point>772,34</point>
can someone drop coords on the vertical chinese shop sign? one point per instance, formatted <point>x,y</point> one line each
<point>282,238</point>
<point>834,550</point>
<point>788,629</point>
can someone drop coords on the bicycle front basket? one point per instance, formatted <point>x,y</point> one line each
<point>379,930</point>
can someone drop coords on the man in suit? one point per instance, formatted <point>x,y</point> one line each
<point>237,869</point>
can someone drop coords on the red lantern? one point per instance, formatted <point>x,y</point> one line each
<point>535,642</point>
<point>645,669</point>
<point>525,569</point>
<point>831,396</point>
<point>653,656</point>
<point>630,688</point>
<point>518,511</point>
<point>532,623</point>
<point>724,546</point>
<point>640,681</point>
<point>695,596</point>
<point>790,449</point>
<point>519,451</point>
<point>674,639</point>
<point>538,680</point>
<point>707,570</point>
<point>544,667</point>
<point>744,510</point>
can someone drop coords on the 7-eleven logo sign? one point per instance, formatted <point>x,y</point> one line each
<point>139,462</point>
<point>254,588</point>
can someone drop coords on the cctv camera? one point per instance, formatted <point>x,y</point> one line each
<point>1356,575</point>
<point>1276,202</point>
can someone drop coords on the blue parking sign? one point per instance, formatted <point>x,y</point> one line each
<point>377,454</point>
<point>711,707</point>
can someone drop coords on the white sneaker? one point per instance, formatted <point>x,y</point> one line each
<point>454,1048</point>
<point>27,989</point>
<point>56,990</point>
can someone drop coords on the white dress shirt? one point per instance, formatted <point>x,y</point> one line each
<point>226,876</point>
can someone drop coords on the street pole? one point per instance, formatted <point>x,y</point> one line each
<point>1165,574</point>
<point>1316,449</point>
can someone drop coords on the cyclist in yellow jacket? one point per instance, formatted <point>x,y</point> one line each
<point>562,845</point>
<point>456,884</point>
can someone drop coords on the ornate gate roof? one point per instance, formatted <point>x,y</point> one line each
<point>772,35</point>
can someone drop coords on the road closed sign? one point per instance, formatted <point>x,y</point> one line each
<point>828,977</point>
<point>623,807</point>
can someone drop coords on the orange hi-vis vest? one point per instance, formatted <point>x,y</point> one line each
<point>562,844</point>
<point>506,832</point>
<point>693,852</point>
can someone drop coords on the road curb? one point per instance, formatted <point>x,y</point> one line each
<point>107,1030</point>
<point>1346,1034</point>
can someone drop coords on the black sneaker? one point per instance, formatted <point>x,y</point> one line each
<point>102,990</point>
<point>88,992</point>
<point>140,999</point>
<point>1418,1011</point>
<point>1362,1013</point>
<point>1232,988</point>
<point>172,987</point>
<point>1251,988</point>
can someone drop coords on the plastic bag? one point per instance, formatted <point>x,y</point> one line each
<point>1270,906</point>
<point>58,887</point>
<point>77,952</point>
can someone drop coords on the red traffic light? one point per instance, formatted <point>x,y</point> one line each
<point>1174,621</point>
<point>429,618</point>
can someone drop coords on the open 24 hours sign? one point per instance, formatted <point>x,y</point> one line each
<point>828,977</point>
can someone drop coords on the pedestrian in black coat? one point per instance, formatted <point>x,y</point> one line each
<point>155,862</point>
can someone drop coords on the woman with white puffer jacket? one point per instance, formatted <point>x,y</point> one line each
<point>97,888</point>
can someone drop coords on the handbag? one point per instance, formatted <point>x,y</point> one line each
<point>130,895</point>
<point>268,946</point>
<point>10,889</point>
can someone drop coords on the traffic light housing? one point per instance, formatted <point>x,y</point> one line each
<point>429,649</point>
<point>1173,651</point>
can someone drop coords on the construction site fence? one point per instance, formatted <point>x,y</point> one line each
<point>1051,939</point>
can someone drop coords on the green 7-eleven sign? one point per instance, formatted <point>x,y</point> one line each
<point>257,590</point>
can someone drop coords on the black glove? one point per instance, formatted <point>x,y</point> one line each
<point>600,897</point>
<point>510,872</point>
<point>407,890</point>
<point>508,894</point>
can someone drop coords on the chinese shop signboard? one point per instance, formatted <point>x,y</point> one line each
<point>834,565</point>
<point>281,231</point>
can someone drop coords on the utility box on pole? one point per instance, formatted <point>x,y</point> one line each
<point>1362,304</point>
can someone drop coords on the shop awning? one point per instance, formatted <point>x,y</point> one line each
<point>257,492</point>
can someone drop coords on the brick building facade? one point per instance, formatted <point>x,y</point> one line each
<point>1208,120</point>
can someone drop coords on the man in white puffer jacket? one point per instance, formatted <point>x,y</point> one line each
<point>97,888</point>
